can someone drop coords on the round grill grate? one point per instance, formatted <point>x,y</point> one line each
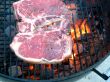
<point>87,33</point>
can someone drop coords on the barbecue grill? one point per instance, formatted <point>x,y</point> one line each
<point>88,35</point>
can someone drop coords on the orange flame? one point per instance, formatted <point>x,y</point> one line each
<point>31,67</point>
<point>81,27</point>
<point>71,6</point>
<point>72,56</point>
<point>48,66</point>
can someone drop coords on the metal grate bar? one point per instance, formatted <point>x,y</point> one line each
<point>74,64</point>
<point>35,69</point>
<point>102,25</point>
<point>52,70</point>
<point>86,36</point>
<point>95,47</point>
<point>22,65</point>
<point>58,71</point>
<point>77,43</point>
<point>4,37</point>
<point>82,42</point>
<point>41,72</point>
<point>10,41</point>
<point>91,33</point>
<point>68,66</point>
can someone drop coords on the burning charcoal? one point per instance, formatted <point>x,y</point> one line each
<point>75,48</point>
<point>80,28</point>
<point>48,73</point>
<point>83,62</point>
<point>37,78</point>
<point>14,71</point>
<point>71,63</point>
<point>31,67</point>
<point>32,77</point>
<point>72,7</point>
<point>88,59</point>
<point>55,71</point>
<point>78,66</point>
<point>91,48</point>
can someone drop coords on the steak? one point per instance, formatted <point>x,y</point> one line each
<point>43,31</point>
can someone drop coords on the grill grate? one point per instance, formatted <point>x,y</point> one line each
<point>93,45</point>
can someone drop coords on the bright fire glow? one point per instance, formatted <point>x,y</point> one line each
<point>49,66</point>
<point>80,25</point>
<point>81,28</point>
<point>31,67</point>
<point>72,56</point>
<point>71,6</point>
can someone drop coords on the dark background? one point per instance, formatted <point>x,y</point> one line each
<point>106,12</point>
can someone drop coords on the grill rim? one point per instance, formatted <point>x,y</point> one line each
<point>59,79</point>
<point>89,69</point>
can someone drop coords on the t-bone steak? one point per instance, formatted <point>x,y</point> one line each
<point>42,31</point>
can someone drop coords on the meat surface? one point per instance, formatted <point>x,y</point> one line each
<point>43,31</point>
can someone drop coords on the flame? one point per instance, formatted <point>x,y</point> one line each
<point>71,6</point>
<point>72,56</point>
<point>80,25</point>
<point>32,77</point>
<point>31,67</point>
<point>49,66</point>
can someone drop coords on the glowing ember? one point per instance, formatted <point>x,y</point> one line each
<point>71,6</point>
<point>77,48</point>
<point>72,56</point>
<point>81,27</point>
<point>31,67</point>
<point>48,66</point>
<point>32,77</point>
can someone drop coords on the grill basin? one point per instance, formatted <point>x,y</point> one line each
<point>89,45</point>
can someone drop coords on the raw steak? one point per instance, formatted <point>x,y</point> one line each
<point>49,47</point>
<point>43,31</point>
